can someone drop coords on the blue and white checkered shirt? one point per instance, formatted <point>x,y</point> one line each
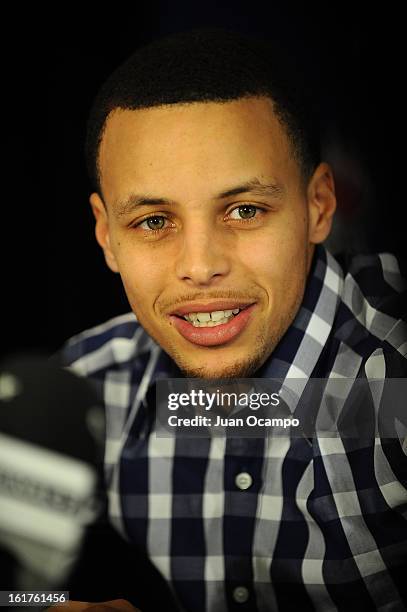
<point>262,525</point>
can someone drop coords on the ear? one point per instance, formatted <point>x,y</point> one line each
<point>321,203</point>
<point>102,230</point>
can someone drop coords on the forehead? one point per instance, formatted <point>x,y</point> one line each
<point>188,146</point>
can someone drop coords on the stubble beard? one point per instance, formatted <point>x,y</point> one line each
<point>244,368</point>
<point>260,349</point>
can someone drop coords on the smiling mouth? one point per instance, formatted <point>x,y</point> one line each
<point>212,328</point>
<point>210,319</point>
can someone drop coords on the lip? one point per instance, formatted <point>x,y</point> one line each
<point>209,307</point>
<point>213,336</point>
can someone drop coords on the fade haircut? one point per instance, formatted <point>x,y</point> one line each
<point>209,65</point>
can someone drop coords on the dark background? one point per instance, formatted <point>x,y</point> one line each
<point>55,282</point>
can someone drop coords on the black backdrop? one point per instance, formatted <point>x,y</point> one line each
<point>54,280</point>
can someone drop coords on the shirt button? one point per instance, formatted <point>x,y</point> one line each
<point>243,481</point>
<point>240,594</point>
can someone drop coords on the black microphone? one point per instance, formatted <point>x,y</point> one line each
<point>51,471</point>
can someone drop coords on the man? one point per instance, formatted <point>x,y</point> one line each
<point>211,202</point>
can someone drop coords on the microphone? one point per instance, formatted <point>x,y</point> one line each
<point>51,471</point>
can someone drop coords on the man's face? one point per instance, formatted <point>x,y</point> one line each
<point>205,249</point>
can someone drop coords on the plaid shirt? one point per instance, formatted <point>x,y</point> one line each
<point>263,525</point>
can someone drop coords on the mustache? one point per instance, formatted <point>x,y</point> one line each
<point>206,296</point>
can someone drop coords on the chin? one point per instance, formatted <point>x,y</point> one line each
<point>242,364</point>
<point>213,374</point>
<point>235,369</point>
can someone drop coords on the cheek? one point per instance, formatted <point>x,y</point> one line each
<point>278,264</point>
<point>143,274</point>
<point>276,254</point>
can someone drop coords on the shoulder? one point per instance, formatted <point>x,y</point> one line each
<point>374,296</point>
<point>110,345</point>
<point>378,275</point>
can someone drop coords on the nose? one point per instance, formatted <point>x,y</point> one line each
<point>204,256</point>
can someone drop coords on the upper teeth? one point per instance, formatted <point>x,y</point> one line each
<point>216,315</point>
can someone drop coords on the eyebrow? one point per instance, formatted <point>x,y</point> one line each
<point>252,186</point>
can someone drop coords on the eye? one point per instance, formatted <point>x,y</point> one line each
<point>245,211</point>
<point>153,223</point>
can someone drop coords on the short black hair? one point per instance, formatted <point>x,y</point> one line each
<point>209,65</point>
